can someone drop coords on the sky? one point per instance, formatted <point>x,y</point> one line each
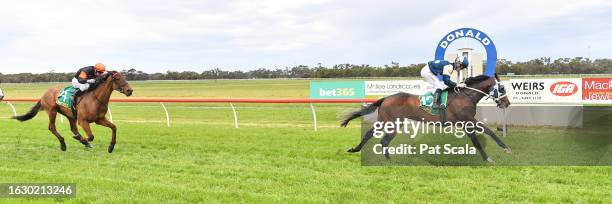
<point>159,35</point>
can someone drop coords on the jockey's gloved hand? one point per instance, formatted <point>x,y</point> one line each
<point>461,85</point>
<point>91,81</point>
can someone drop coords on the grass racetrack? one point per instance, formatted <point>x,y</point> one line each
<point>274,156</point>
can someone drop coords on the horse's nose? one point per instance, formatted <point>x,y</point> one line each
<point>129,92</point>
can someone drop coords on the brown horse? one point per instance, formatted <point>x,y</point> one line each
<point>461,108</point>
<point>92,107</point>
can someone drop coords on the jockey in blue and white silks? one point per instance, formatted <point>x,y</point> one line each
<point>437,74</point>
<point>1,95</point>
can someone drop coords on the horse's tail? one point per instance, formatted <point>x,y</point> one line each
<point>30,114</point>
<point>364,111</point>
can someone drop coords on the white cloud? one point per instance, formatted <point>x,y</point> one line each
<point>37,36</point>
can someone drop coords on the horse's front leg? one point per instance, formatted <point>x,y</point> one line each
<point>104,122</point>
<point>499,142</point>
<point>75,130</point>
<point>472,135</point>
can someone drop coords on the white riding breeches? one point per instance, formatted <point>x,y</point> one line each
<point>430,78</point>
<point>76,84</point>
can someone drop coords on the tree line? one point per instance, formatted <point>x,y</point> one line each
<point>544,65</point>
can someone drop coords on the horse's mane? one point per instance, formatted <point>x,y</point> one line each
<point>476,79</point>
<point>101,79</point>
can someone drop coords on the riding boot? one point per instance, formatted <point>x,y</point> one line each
<point>436,97</point>
<point>74,99</point>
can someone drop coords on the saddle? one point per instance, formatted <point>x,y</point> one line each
<point>428,99</point>
<point>65,96</point>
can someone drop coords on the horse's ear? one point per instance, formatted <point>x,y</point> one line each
<point>497,77</point>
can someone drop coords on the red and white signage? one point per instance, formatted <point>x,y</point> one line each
<point>597,90</point>
<point>563,88</point>
<point>534,91</point>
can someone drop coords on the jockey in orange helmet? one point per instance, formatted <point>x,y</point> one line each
<point>83,79</point>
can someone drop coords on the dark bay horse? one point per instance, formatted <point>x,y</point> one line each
<point>461,107</point>
<point>92,107</point>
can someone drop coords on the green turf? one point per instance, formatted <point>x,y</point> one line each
<point>274,156</point>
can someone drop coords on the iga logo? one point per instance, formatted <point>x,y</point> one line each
<point>563,88</point>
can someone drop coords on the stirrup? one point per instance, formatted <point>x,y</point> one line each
<point>73,109</point>
<point>436,101</point>
<point>74,112</point>
<point>442,112</point>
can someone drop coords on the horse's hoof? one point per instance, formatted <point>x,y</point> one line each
<point>387,156</point>
<point>490,161</point>
<point>352,150</point>
<point>111,148</point>
<point>508,150</point>
<point>63,147</point>
<point>90,139</point>
<point>88,146</point>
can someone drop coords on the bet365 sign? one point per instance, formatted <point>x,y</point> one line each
<point>337,89</point>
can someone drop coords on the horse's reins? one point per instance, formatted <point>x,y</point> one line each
<point>496,99</point>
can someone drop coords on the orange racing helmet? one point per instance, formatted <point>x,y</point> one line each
<point>99,67</point>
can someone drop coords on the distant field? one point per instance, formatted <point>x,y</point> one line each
<point>248,88</point>
<point>274,156</point>
<point>188,89</point>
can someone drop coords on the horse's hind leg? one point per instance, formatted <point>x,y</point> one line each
<point>364,140</point>
<point>386,140</point>
<point>104,122</point>
<point>53,129</point>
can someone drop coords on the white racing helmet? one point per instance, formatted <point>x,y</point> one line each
<point>463,61</point>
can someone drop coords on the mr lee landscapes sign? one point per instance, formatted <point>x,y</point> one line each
<point>385,88</point>
<point>525,91</point>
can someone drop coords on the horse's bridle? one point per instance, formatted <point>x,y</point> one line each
<point>491,93</point>
<point>125,83</point>
<point>120,88</point>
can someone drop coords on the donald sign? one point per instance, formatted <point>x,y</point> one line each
<point>474,34</point>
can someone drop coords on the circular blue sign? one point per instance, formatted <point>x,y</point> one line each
<point>474,34</point>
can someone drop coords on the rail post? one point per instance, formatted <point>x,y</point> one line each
<point>110,114</point>
<point>235,115</point>
<point>314,116</point>
<point>504,121</point>
<point>167,115</point>
<point>12,107</point>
